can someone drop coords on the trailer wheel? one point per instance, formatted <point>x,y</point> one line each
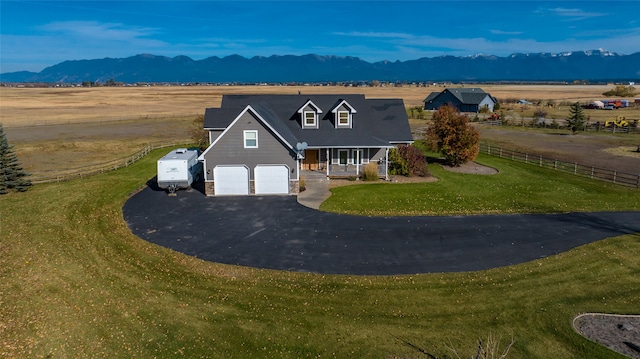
<point>172,189</point>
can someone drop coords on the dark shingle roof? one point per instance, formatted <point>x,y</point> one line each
<point>469,96</point>
<point>376,123</point>
<point>466,95</point>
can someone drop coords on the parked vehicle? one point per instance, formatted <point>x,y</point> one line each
<point>615,103</point>
<point>179,169</point>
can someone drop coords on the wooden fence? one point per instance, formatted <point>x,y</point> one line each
<point>85,171</point>
<point>619,178</point>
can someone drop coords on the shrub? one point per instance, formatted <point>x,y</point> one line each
<point>622,91</point>
<point>370,172</point>
<point>408,160</point>
<point>302,184</point>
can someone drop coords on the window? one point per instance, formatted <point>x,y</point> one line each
<point>357,157</point>
<point>309,119</point>
<point>343,157</point>
<point>251,139</point>
<point>343,118</point>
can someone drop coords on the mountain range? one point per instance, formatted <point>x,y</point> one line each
<point>595,65</point>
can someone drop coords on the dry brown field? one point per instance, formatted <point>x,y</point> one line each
<point>60,128</point>
<point>47,106</point>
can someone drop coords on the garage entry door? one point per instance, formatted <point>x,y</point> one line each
<point>272,179</point>
<point>231,180</point>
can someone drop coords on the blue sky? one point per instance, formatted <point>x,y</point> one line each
<point>37,34</point>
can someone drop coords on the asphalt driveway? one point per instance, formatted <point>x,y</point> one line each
<point>276,232</point>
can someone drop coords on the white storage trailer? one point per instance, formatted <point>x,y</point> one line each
<point>178,169</point>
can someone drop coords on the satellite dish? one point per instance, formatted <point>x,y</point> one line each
<point>301,146</point>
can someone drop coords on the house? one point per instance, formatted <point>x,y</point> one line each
<point>260,144</point>
<point>464,99</point>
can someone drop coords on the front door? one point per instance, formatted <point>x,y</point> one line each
<point>310,161</point>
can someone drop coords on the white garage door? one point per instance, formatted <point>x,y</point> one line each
<point>231,180</point>
<point>272,179</point>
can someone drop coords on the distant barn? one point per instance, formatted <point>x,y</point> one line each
<point>464,99</point>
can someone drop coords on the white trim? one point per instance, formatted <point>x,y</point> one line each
<point>309,103</point>
<point>245,138</point>
<point>344,102</point>
<point>357,154</point>
<point>340,124</point>
<point>255,113</point>
<point>329,159</point>
<point>304,120</point>
<point>346,150</point>
<point>350,111</point>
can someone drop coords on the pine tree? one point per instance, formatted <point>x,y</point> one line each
<point>12,176</point>
<point>576,120</point>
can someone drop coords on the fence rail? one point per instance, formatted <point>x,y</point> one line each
<point>85,171</point>
<point>619,178</point>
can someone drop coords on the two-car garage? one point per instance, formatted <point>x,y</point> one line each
<point>235,180</point>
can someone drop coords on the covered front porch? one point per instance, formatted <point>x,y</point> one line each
<point>346,162</point>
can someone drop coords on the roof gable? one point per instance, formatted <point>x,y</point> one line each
<point>263,115</point>
<point>341,104</point>
<point>310,104</point>
<point>466,96</point>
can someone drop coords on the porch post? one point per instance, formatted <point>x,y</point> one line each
<point>357,159</point>
<point>386,165</point>
<point>328,161</point>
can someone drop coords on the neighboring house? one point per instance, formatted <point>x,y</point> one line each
<point>464,99</point>
<point>261,143</point>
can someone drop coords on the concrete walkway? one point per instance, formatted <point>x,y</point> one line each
<point>317,190</point>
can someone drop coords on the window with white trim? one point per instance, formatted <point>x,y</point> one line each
<point>310,119</point>
<point>250,139</point>
<point>344,119</point>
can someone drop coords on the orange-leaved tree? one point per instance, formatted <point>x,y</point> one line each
<point>453,136</point>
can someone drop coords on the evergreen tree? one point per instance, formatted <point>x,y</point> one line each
<point>577,119</point>
<point>12,176</point>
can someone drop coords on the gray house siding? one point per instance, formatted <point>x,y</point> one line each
<point>488,102</point>
<point>229,150</point>
<point>214,134</point>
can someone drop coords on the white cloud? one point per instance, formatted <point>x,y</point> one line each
<point>97,30</point>
<point>379,35</point>
<point>573,14</point>
<point>501,32</point>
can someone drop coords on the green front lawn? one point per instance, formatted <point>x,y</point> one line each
<point>75,283</point>
<point>517,188</point>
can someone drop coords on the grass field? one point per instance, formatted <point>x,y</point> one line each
<point>47,106</point>
<point>60,128</point>
<point>517,188</point>
<point>74,283</point>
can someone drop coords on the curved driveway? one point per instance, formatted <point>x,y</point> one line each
<point>276,232</point>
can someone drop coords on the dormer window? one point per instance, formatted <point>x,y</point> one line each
<point>343,114</point>
<point>310,119</point>
<point>309,114</point>
<point>344,119</point>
